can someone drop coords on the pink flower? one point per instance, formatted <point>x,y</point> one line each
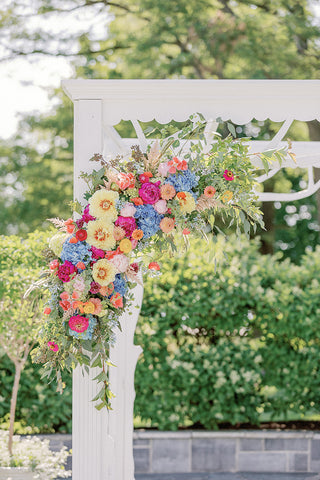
<point>125,180</point>
<point>78,324</point>
<point>134,243</point>
<point>163,169</point>
<point>134,267</point>
<point>228,175</point>
<point>116,300</point>
<point>79,284</point>
<point>127,223</point>
<point>54,264</point>
<point>150,192</point>
<point>121,263</point>
<point>128,210</point>
<point>160,206</point>
<point>53,346</point>
<point>96,253</point>
<point>97,305</point>
<point>94,287</point>
<point>65,271</point>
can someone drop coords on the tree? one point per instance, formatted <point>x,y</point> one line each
<point>20,317</point>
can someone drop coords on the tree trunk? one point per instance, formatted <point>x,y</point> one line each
<point>314,134</point>
<point>17,375</point>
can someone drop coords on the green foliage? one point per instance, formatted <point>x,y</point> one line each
<point>226,346</point>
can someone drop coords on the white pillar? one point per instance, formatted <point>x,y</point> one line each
<point>101,440</point>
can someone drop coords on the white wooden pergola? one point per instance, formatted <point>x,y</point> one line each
<point>102,441</point>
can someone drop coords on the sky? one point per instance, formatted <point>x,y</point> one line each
<point>25,85</point>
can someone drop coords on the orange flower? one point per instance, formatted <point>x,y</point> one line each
<point>75,295</point>
<point>47,311</point>
<point>77,305</point>
<point>167,224</point>
<point>137,234</point>
<point>116,300</point>
<point>119,233</point>
<point>186,231</point>
<point>73,240</point>
<point>209,191</point>
<point>112,253</point>
<point>65,305</point>
<point>154,266</point>
<point>103,291</point>
<point>167,191</point>
<point>81,265</point>
<point>148,174</point>
<point>69,225</point>
<point>181,195</point>
<point>137,201</point>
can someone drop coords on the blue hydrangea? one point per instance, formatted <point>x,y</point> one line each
<point>87,335</point>
<point>120,285</point>
<point>183,181</point>
<point>148,220</point>
<point>76,252</point>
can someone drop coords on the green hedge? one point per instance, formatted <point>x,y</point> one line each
<point>224,346</point>
<point>229,345</point>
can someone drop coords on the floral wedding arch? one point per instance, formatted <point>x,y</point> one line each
<point>136,200</point>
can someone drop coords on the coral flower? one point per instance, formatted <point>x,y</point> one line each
<point>125,245</point>
<point>125,180</point>
<point>167,191</point>
<point>227,196</point>
<point>97,305</point>
<point>167,224</point>
<point>77,305</point>
<point>81,235</point>
<point>181,195</point>
<point>209,191</point>
<point>75,295</point>
<point>64,296</point>
<point>137,234</point>
<point>228,175</point>
<point>154,266</point>
<point>53,346</point>
<point>103,204</point>
<point>65,305</point>
<point>69,224</point>
<point>186,231</point>
<point>103,272</point>
<point>145,177</point>
<point>54,264</point>
<point>100,235</point>
<point>160,207</point>
<point>47,311</point>
<point>73,240</point>
<point>137,201</point>
<point>119,233</point>
<point>116,300</point>
<point>81,266</point>
<point>79,324</point>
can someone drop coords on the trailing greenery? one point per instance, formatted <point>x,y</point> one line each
<point>229,345</point>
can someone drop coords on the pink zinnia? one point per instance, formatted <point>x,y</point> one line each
<point>53,346</point>
<point>127,223</point>
<point>78,324</point>
<point>228,175</point>
<point>150,192</point>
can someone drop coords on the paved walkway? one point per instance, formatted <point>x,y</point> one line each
<point>228,476</point>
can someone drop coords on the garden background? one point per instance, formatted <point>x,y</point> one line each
<point>233,344</point>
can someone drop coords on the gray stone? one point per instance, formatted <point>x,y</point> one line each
<point>170,456</point>
<point>141,442</point>
<point>261,462</point>
<point>315,450</point>
<point>213,455</point>
<point>298,462</point>
<point>315,466</point>
<point>276,444</point>
<point>141,460</point>
<point>251,444</point>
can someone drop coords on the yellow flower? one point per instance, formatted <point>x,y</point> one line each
<point>227,196</point>
<point>100,235</point>
<point>103,205</point>
<point>125,245</point>
<point>187,202</point>
<point>103,272</point>
<point>56,242</point>
<point>88,307</point>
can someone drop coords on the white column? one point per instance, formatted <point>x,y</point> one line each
<point>102,441</point>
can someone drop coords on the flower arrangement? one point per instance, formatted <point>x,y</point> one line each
<point>136,210</point>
